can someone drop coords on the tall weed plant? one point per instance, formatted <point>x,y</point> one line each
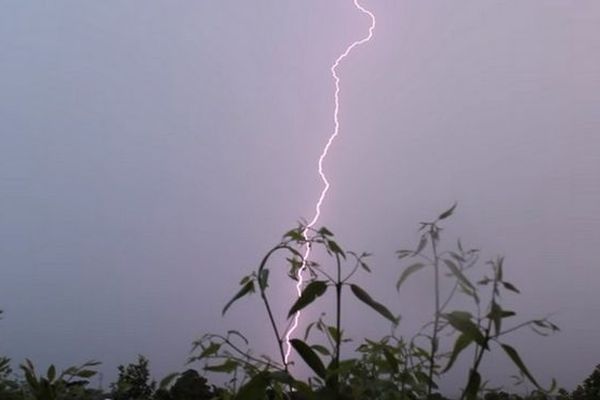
<point>390,367</point>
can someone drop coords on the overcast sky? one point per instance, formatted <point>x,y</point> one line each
<point>151,152</point>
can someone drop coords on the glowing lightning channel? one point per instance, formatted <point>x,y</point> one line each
<point>335,133</point>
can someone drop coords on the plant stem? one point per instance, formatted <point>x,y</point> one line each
<point>338,323</point>
<point>263,295</point>
<point>436,321</point>
<point>482,348</point>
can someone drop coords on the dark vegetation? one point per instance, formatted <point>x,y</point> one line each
<point>391,367</point>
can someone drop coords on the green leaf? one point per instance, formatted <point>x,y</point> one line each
<point>227,367</point>
<point>364,265</point>
<point>422,377</point>
<point>334,333</point>
<point>255,388</point>
<point>366,298</point>
<point>391,360</point>
<point>321,349</point>
<point>310,357</point>
<point>407,272</point>
<point>309,294</point>
<point>308,329</point>
<point>51,374</point>
<point>263,279</point>
<point>458,274</point>
<point>484,281</point>
<point>421,245</point>
<point>85,373</point>
<point>448,212</point>
<point>496,314</point>
<point>166,381</point>
<point>514,356</point>
<point>404,253</point>
<point>461,321</point>
<point>473,385</point>
<point>91,363</point>
<point>247,288</point>
<point>510,286</point>
<point>211,349</point>
<point>29,366</point>
<point>294,234</point>
<point>282,377</point>
<point>334,247</point>
<point>325,232</point>
<point>457,257</point>
<point>462,342</point>
<point>30,378</point>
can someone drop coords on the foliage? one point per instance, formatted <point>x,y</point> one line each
<point>590,388</point>
<point>9,388</point>
<point>189,386</point>
<point>69,384</point>
<point>134,382</point>
<point>478,329</point>
<point>392,367</point>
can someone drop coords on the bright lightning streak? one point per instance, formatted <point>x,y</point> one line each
<point>324,153</point>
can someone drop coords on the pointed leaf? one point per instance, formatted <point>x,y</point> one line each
<point>462,342</point>
<point>309,294</point>
<point>91,363</point>
<point>310,357</point>
<point>514,356</point>
<point>421,245</point>
<point>85,373</point>
<point>496,314</point>
<point>30,378</point>
<point>473,385</point>
<point>294,234</point>
<point>263,279</point>
<point>321,349</point>
<point>247,288</point>
<point>51,374</point>
<point>404,253</point>
<point>448,212</point>
<point>227,366</point>
<point>255,388</point>
<point>281,376</point>
<point>333,246</point>
<point>325,232</point>
<point>510,286</point>
<point>211,349</point>
<point>334,333</point>
<point>166,381</point>
<point>461,321</point>
<point>458,274</point>
<point>366,298</point>
<point>407,272</point>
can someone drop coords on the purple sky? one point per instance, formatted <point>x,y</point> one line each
<point>151,152</point>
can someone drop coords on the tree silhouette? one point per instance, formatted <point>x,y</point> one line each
<point>590,389</point>
<point>134,381</point>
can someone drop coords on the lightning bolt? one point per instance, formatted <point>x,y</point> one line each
<point>326,185</point>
